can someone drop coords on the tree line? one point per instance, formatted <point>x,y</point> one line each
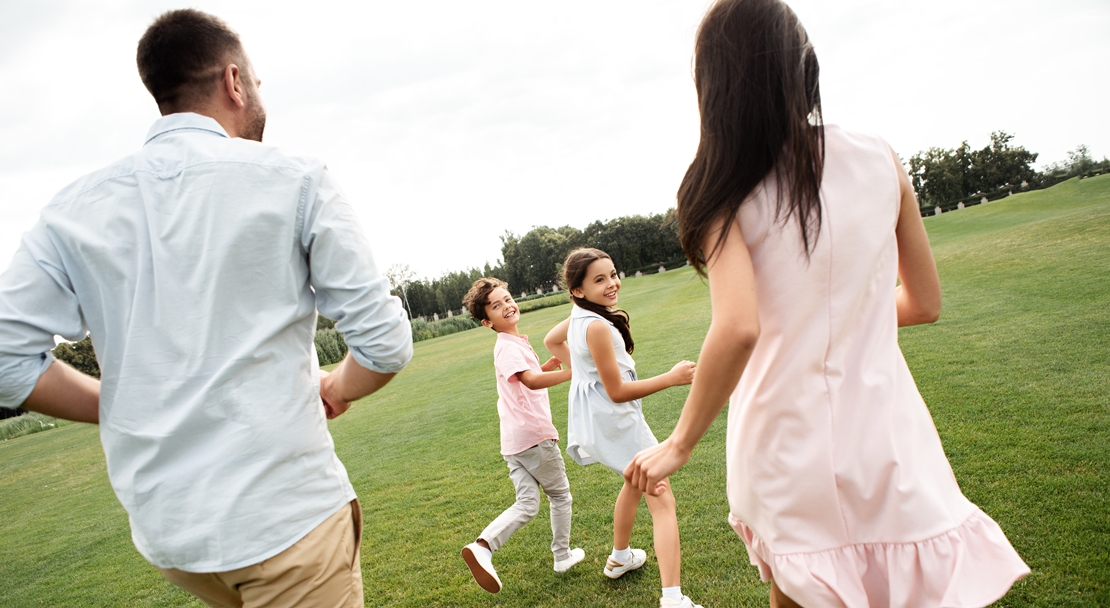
<point>942,176</point>
<point>533,262</point>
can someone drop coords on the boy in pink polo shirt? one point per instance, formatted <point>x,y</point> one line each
<point>528,439</point>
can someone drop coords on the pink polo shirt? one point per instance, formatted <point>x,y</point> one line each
<point>525,413</point>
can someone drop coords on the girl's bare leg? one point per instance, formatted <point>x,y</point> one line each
<point>779,599</point>
<point>624,515</point>
<point>664,521</point>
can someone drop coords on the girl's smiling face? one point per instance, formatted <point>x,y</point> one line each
<point>601,283</point>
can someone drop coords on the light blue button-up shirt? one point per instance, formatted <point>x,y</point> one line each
<point>197,265</point>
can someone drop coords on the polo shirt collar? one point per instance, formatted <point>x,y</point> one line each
<point>184,121</point>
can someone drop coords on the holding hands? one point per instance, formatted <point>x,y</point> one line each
<point>552,364</point>
<point>649,470</point>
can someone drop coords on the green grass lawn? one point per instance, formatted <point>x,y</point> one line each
<point>1016,373</point>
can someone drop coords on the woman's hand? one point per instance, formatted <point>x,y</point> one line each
<point>682,373</point>
<point>650,469</point>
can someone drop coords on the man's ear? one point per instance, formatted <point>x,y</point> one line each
<point>232,84</point>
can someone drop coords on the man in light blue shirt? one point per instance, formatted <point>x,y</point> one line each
<point>197,266</point>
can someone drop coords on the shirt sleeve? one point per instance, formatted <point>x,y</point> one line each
<point>348,286</point>
<point>36,302</point>
<point>509,360</point>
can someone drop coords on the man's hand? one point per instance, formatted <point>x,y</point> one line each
<point>348,383</point>
<point>651,467</point>
<point>334,405</point>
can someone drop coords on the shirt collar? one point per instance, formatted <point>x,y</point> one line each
<point>507,336</point>
<point>183,121</point>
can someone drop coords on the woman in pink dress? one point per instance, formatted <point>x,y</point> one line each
<point>837,481</point>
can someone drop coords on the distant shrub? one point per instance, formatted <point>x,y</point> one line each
<point>330,346</point>
<point>80,355</point>
<point>31,422</point>
<point>426,330</point>
<point>556,299</point>
<point>6,413</point>
<point>654,268</point>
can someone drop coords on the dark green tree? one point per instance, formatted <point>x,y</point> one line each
<point>330,346</point>
<point>1001,164</point>
<point>941,176</point>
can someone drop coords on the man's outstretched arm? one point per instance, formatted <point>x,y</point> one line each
<point>36,303</point>
<point>63,392</point>
<point>349,289</point>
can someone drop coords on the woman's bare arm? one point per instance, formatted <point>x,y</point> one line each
<point>733,332</point>
<point>918,297</point>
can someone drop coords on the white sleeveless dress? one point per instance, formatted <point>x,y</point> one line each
<point>837,481</point>
<point>599,430</point>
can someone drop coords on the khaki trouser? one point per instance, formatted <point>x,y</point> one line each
<point>320,570</point>
<point>537,467</point>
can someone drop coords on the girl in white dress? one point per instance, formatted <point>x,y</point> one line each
<point>606,423</point>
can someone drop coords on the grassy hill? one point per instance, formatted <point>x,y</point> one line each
<point>1016,373</point>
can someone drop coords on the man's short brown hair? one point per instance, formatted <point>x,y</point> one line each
<point>182,55</point>
<point>477,298</point>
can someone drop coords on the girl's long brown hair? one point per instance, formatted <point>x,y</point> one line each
<point>574,273</point>
<point>757,81</point>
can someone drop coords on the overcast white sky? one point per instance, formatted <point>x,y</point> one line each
<point>450,122</point>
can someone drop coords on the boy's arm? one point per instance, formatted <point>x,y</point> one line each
<point>539,380</point>
<point>551,365</point>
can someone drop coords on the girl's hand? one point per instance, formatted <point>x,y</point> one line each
<point>552,364</point>
<point>682,373</point>
<point>651,467</point>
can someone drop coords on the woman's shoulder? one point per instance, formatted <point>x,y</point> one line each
<point>840,139</point>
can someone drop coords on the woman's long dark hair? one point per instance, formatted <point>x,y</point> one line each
<point>757,81</point>
<point>574,273</point>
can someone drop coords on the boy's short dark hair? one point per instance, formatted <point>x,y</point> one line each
<point>477,298</point>
<point>180,54</point>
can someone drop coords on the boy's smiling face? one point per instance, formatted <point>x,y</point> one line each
<point>502,313</point>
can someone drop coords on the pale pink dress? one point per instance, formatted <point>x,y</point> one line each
<point>837,481</point>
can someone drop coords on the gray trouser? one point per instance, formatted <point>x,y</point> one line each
<point>537,467</point>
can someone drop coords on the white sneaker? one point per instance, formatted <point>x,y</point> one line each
<point>480,561</point>
<point>614,569</point>
<point>576,555</point>
<point>666,602</point>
